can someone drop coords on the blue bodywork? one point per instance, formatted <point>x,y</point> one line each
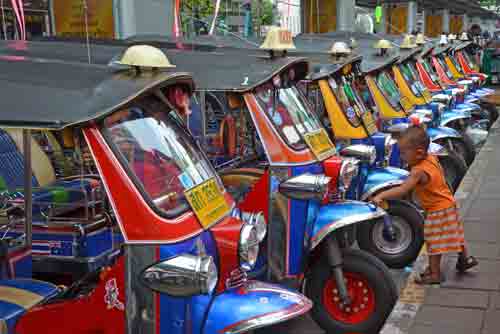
<point>10,311</point>
<point>380,178</point>
<point>340,214</point>
<point>257,300</point>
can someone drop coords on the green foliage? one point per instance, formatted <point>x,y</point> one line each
<point>266,12</point>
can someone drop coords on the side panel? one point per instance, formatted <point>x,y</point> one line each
<point>253,306</point>
<point>385,109</point>
<point>339,214</point>
<point>380,178</point>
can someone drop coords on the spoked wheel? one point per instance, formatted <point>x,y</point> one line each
<point>397,243</point>
<point>454,169</point>
<point>371,290</point>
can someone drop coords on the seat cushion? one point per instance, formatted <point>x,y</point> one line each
<point>19,295</point>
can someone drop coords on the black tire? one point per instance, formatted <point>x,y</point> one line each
<point>408,224</point>
<point>365,266</point>
<point>462,148</point>
<point>454,169</point>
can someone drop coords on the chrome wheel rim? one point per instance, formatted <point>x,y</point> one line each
<point>402,241</point>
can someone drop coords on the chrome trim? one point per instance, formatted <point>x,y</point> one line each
<point>302,306</point>
<point>379,187</point>
<point>437,149</point>
<point>397,128</point>
<point>305,186</point>
<point>365,153</point>
<point>348,171</point>
<point>182,276</point>
<point>323,233</point>
<point>248,247</point>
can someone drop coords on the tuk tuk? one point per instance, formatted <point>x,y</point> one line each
<point>185,252</point>
<point>274,155</point>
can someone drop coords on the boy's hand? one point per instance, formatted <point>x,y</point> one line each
<point>378,200</point>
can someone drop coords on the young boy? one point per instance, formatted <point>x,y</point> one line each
<point>443,231</point>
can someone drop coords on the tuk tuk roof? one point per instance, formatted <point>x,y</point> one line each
<point>405,55</point>
<point>214,67</point>
<point>51,86</point>
<point>438,50</point>
<point>463,45</point>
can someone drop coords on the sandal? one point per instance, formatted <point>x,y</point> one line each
<point>427,280</point>
<point>464,264</point>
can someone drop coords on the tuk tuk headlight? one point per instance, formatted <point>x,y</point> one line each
<point>248,247</point>
<point>348,171</point>
<point>388,146</point>
<point>364,153</point>
<point>182,276</point>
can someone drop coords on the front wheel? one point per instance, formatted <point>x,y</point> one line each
<point>401,246</point>
<point>371,288</point>
<point>454,169</point>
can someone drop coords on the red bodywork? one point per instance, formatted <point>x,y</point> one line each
<point>443,78</point>
<point>88,314</point>
<point>427,80</point>
<point>465,67</point>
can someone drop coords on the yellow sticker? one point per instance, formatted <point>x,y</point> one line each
<point>427,96</point>
<point>207,202</point>
<point>406,103</point>
<point>369,123</point>
<point>321,145</point>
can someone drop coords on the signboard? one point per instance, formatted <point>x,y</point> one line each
<point>207,202</point>
<point>69,18</point>
<point>320,144</point>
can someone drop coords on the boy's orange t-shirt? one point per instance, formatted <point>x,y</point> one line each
<point>435,195</point>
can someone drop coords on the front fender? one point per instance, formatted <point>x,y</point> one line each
<point>468,106</point>
<point>252,306</point>
<point>442,132</point>
<point>336,215</point>
<point>382,178</point>
<point>453,115</point>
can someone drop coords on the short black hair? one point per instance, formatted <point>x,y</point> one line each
<point>417,137</point>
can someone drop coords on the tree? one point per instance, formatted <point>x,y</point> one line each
<point>266,12</point>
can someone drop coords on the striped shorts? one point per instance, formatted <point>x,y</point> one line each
<point>444,231</point>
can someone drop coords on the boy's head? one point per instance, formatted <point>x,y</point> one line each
<point>413,144</point>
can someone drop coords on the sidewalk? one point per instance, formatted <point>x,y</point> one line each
<point>470,303</point>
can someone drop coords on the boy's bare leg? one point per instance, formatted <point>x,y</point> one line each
<point>435,266</point>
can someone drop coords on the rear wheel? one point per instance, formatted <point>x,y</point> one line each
<point>454,169</point>
<point>399,248</point>
<point>371,289</point>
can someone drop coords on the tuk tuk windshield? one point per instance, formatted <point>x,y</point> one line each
<point>412,79</point>
<point>289,112</point>
<point>429,69</point>
<point>469,59</point>
<point>445,67</point>
<point>387,85</point>
<point>350,101</point>
<point>161,156</point>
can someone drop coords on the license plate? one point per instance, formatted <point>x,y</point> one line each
<point>406,103</point>
<point>427,96</point>
<point>320,144</point>
<point>207,202</point>
<point>369,123</point>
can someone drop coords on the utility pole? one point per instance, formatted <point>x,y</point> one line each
<point>259,18</point>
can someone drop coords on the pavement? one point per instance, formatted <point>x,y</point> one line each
<point>469,303</point>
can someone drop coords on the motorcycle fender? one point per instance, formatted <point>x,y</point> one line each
<point>339,214</point>
<point>382,178</point>
<point>437,149</point>
<point>454,115</point>
<point>442,132</point>
<point>253,305</point>
<point>468,106</point>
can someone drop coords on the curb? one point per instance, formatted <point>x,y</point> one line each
<point>412,295</point>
